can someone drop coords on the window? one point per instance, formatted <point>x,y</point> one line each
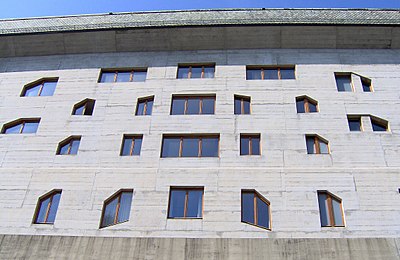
<point>186,203</point>
<point>250,144</point>
<point>69,146</point>
<point>270,72</point>
<point>366,84</point>
<point>131,145</point>
<point>315,145</point>
<point>84,108</point>
<point>306,105</point>
<point>117,208</point>
<point>354,123</point>
<point>144,106</point>
<point>379,125</point>
<point>196,71</point>
<point>42,87</point>
<point>255,209</point>
<point>330,210</point>
<point>343,82</point>
<point>242,105</point>
<point>21,126</point>
<point>125,75</point>
<point>190,146</point>
<point>46,209</point>
<point>198,105</point>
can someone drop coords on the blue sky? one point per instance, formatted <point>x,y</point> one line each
<point>35,8</point>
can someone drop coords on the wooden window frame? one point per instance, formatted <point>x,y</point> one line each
<point>118,195</point>
<point>348,74</point>
<point>379,121</point>
<point>42,198</point>
<point>331,216</point>
<point>83,103</point>
<point>20,121</point>
<point>369,83</point>
<point>199,137</point>
<point>317,147</point>
<point>355,117</point>
<point>191,66</point>
<point>68,141</point>
<point>37,83</point>
<point>242,100</point>
<point>145,100</point>
<point>272,67</point>
<point>250,137</point>
<point>132,137</point>
<point>116,71</point>
<point>262,198</point>
<point>186,98</point>
<point>307,101</point>
<point>187,189</point>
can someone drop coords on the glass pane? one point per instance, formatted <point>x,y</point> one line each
<point>238,106</point>
<point>14,129</point>
<point>323,147</point>
<point>343,83</point>
<point>64,149</point>
<point>354,124</point>
<point>177,204</point>
<point>310,144</point>
<point>170,147</point>
<point>190,147</point>
<point>244,146</point>
<point>209,72</point>
<point>300,106</point>
<point>89,107</point>
<point>30,127</point>
<point>270,74</point>
<point>137,146</point>
<point>193,106</point>
<point>149,108</point>
<point>253,74</point>
<point>125,207</point>
<point>74,147</point>
<point>248,207</point>
<point>107,77</point>
<point>378,127</point>
<point>109,213</point>
<point>246,106</point>
<point>48,88</point>
<point>255,145</point>
<point>53,208</point>
<point>366,85</point>
<point>323,210</point>
<point>337,212</point>
<point>183,73</point>
<point>42,211</point>
<point>262,213</point>
<point>126,149</point>
<point>32,92</point>
<point>312,107</point>
<point>140,108</point>
<point>208,106</point>
<point>196,72</point>
<point>124,76</point>
<point>139,76</point>
<point>195,204</point>
<point>178,106</point>
<point>79,110</point>
<point>287,74</point>
<point>209,147</point>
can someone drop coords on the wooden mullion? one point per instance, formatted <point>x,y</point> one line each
<point>242,106</point>
<point>186,106</point>
<point>41,88</point>
<point>145,107</point>
<point>250,145</point>
<point>262,73</point>
<point>117,208</point>
<point>69,147</point>
<point>180,147</point>
<point>22,127</point>
<point>330,210</point>
<point>200,145</point>
<point>132,146</point>
<point>115,76</point>
<point>279,73</point>
<point>202,72</point>
<point>200,106</point>
<point>255,209</point>
<point>131,76</point>
<point>186,204</point>
<point>317,147</point>
<point>306,106</point>
<point>190,72</point>
<point>48,209</point>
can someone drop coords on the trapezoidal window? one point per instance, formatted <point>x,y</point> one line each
<point>255,209</point>
<point>344,82</point>
<point>123,75</point>
<point>84,108</point>
<point>69,146</point>
<point>193,105</point>
<point>190,146</point>
<point>42,87</point>
<point>316,145</point>
<point>200,71</point>
<point>379,124</point>
<point>21,126</point>
<point>250,144</point>
<point>131,145</point>
<point>366,84</point>
<point>185,202</point>
<point>305,104</point>
<point>270,72</point>
<point>354,122</point>
<point>117,208</point>
<point>46,209</point>
<point>144,106</point>
<point>242,105</point>
<point>330,210</point>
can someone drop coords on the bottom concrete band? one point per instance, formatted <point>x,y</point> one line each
<point>67,247</point>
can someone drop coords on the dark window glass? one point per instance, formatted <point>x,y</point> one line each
<point>74,146</point>
<point>131,145</point>
<point>32,92</point>
<point>262,213</point>
<point>85,107</point>
<point>323,210</point>
<point>250,145</point>
<point>316,145</point>
<point>196,72</point>
<point>48,88</point>
<point>177,204</point>
<point>47,208</point>
<point>354,124</point>
<point>244,146</point>
<point>195,204</point>
<point>312,107</point>
<point>209,147</point>
<point>378,127</point>
<point>343,83</point>
<point>238,106</point>
<point>125,207</point>
<point>124,76</point>
<point>183,73</point>
<point>27,126</point>
<point>139,76</point>
<point>178,106</point>
<point>209,72</point>
<point>171,147</point>
<point>117,209</point>
<point>366,84</point>
<point>330,210</point>
<point>248,207</point>
<point>44,88</point>
<point>323,147</point>
<point>242,105</point>
<point>109,212</point>
<point>208,106</point>
<point>43,211</point>
<point>253,74</point>
<point>185,203</point>
<point>271,74</point>
<point>30,127</point>
<point>310,144</point>
<point>14,129</point>
<point>69,146</point>
<point>287,73</point>
<point>79,110</point>
<point>255,210</point>
<point>304,105</point>
<point>300,106</point>
<point>193,106</point>
<point>144,106</point>
<point>190,147</point>
<point>107,77</point>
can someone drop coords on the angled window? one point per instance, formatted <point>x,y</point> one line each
<point>84,108</point>
<point>354,123</point>
<point>42,87</point>
<point>69,146</point>
<point>330,210</point>
<point>379,124</point>
<point>193,105</point>
<point>123,75</point>
<point>185,202</point>
<point>343,82</point>
<point>117,208</point>
<point>305,104</point>
<point>21,126</point>
<point>255,209</point>
<point>190,146</point>
<point>242,105</point>
<point>270,72</point>
<point>366,84</point>
<point>316,145</point>
<point>250,144</point>
<point>196,71</point>
<point>144,106</point>
<point>46,209</point>
<point>131,145</point>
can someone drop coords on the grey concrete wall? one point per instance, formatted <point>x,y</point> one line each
<point>362,169</point>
